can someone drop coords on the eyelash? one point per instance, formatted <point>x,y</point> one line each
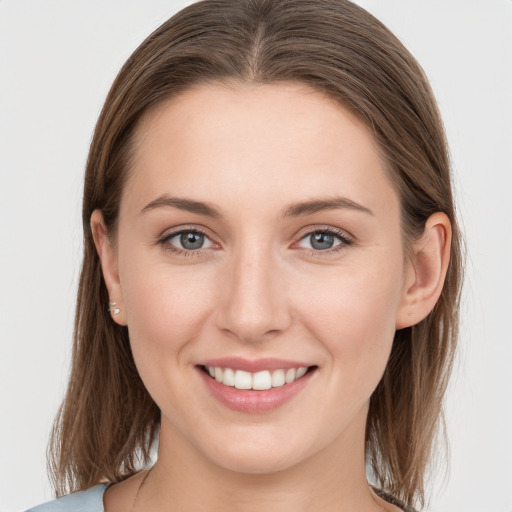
<point>345,241</point>
<point>164,241</point>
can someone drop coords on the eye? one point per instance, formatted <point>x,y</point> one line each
<point>187,240</point>
<point>324,240</point>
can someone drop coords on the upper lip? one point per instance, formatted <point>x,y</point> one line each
<point>254,365</point>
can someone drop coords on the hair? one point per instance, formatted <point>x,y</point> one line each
<point>108,421</point>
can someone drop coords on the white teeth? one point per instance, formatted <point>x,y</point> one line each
<point>262,380</point>
<point>278,378</point>
<point>219,374</point>
<point>229,377</point>
<point>290,375</point>
<point>243,380</point>
<point>301,372</point>
<point>265,379</point>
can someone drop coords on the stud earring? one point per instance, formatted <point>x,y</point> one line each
<point>112,309</point>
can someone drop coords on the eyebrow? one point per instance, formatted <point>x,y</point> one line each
<point>292,210</point>
<point>318,205</point>
<point>188,205</point>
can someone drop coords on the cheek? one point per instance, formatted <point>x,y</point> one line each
<point>352,312</point>
<point>166,308</point>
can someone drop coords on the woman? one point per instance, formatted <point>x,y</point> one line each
<point>271,272</point>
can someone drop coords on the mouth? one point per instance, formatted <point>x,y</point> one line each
<point>255,387</point>
<point>258,381</point>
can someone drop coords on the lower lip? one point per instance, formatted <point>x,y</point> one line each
<point>252,401</point>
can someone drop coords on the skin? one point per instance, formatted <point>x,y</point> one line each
<point>258,289</point>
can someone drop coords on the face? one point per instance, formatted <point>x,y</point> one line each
<point>259,234</point>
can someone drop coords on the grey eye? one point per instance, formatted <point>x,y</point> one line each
<point>188,240</point>
<point>191,240</point>
<point>322,241</point>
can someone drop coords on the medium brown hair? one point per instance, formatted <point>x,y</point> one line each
<point>108,420</point>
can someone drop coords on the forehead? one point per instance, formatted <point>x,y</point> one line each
<point>256,144</point>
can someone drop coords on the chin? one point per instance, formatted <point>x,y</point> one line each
<point>257,456</point>
<point>257,463</point>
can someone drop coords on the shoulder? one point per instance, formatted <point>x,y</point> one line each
<point>90,500</point>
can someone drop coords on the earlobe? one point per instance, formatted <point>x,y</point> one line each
<point>108,258</point>
<point>426,271</point>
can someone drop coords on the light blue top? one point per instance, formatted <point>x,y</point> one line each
<point>90,500</point>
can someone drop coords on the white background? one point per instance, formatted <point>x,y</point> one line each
<point>57,61</point>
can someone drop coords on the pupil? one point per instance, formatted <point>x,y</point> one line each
<point>192,240</point>
<point>322,241</point>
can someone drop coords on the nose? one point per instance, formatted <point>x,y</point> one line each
<point>253,305</point>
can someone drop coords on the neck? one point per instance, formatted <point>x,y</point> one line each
<point>331,480</point>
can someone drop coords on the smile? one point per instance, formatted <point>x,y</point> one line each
<point>255,386</point>
<point>260,381</point>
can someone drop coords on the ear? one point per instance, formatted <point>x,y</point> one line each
<point>426,271</point>
<point>108,258</point>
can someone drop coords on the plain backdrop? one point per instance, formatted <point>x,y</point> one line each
<point>57,61</point>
